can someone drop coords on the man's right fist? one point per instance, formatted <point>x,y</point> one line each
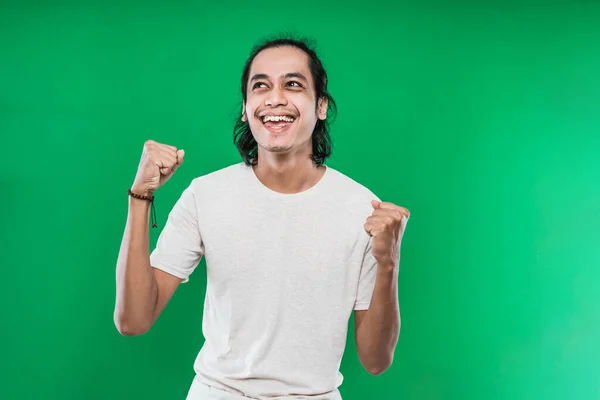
<point>158,163</point>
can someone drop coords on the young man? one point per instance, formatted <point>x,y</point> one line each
<point>292,246</point>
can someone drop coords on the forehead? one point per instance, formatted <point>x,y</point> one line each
<point>279,61</point>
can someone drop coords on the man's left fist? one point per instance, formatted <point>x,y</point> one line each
<point>386,225</point>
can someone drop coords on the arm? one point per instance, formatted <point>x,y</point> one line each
<point>377,329</point>
<point>142,291</point>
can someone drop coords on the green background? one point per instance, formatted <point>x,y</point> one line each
<point>482,118</point>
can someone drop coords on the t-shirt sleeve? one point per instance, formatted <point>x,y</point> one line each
<point>366,283</point>
<point>179,247</point>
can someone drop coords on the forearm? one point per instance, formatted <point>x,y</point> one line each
<point>379,330</point>
<point>135,281</point>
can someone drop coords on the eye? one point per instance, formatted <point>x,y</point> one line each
<point>257,84</point>
<point>294,84</point>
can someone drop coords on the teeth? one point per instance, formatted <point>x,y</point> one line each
<point>276,118</point>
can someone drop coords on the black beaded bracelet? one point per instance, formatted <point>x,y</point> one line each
<point>147,198</point>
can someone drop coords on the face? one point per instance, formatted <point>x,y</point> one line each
<point>281,105</point>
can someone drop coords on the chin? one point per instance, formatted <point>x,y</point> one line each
<point>278,149</point>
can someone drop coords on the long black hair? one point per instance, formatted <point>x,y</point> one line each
<point>321,141</point>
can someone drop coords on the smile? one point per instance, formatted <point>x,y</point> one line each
<point>277,124</point>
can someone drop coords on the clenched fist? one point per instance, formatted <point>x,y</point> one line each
<point>386,226</point>
<point>158,163</point>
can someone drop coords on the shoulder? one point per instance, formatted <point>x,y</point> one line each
<point>222,177</point>
<point>345,185</point>
<point>351,196</point>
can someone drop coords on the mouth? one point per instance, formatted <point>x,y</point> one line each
<point>277,124</point>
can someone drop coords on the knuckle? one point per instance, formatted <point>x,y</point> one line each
<point>167,147</point>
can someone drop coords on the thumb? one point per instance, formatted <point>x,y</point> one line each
<point>180,155</point>
<point>375,204</point>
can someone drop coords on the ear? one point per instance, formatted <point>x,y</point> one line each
<point>322,111</point>
<point>244,118</point>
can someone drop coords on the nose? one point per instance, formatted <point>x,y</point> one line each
<point>276,97</point>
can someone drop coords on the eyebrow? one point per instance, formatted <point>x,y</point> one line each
<point>288,75</point>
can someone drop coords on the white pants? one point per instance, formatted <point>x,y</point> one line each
<point>200,391</point>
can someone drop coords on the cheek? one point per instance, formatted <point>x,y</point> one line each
<point>251,103</point>
<point>249,109</point>
<point>310,115</point>
<point>255,124</point>
<point>306,107</point>
<point>250,112</point>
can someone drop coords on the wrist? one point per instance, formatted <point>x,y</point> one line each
<point>142,191</point>
<point>145,202</point>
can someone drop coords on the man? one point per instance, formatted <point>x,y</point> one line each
<point>292,246</point>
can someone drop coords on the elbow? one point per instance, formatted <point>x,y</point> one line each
<point>126,328</point>
<point>380,367</point>
<point>378,370</point>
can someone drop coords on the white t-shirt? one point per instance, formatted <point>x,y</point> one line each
<point>284,273</point>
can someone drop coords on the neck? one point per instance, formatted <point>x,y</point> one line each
<point>289,175</point>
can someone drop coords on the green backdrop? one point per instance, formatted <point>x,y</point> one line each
<point>482,118</point>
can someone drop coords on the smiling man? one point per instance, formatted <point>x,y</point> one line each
<point>293,247</point>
